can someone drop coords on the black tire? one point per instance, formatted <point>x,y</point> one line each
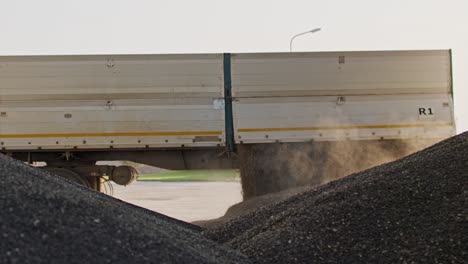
<point>269,168</point>
<point>69,175</point>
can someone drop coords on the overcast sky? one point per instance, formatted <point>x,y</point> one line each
<point>207,26</point>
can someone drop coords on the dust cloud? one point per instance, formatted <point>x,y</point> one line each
<point>267,168</point>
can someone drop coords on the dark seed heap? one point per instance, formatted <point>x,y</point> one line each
<point>250,205</point>
<point>413,210</point>
<point>45,219</point>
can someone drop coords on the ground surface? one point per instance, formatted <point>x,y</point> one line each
<point>191,175</point>
<point>187,201</point>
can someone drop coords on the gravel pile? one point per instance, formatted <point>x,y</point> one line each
<point>414,210</point>
<point>250,205</point>
<point>46,219</point>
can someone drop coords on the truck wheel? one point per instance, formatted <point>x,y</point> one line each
<point>69,175</point>
<point>269,168</point>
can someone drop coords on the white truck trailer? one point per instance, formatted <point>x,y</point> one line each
<point>212,111</point>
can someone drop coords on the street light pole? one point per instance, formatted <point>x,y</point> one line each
<point>303,33</point>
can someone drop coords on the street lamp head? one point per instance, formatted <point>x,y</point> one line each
<point>315,30</point>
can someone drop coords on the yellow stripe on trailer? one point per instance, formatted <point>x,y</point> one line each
<point>123,134</point>
<point>277,129</point>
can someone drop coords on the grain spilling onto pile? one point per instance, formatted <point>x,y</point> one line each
<point>413,210</point>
